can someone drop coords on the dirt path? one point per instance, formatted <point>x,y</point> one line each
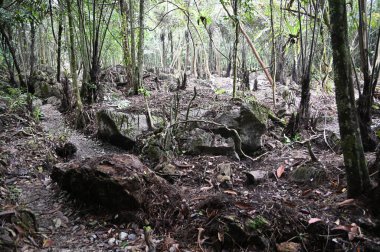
<point>64,225</point>
<point>54,124</point>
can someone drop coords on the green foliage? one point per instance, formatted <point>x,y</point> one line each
<point>144,92</point>
<point>220,91</point>
<point>257,223</point>
<point>296,138</point>
<point>14,98</point>
<point>37,114</point>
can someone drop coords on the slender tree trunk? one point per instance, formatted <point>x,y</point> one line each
<point>186,64</point>
<point>365,100</point>
<point>133,48</point>
<point>13,54</point>
<point>141,46</point>
<point>358,180</point>
<point>234,68</point>
<point>162,38</point>
<point>124,28</point>
<point>59,44</point>
<point>32,59</point>
<point>73,70</point>
<point>274,59</point>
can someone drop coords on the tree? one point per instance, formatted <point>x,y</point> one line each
<point>366,97</point>
<point>358,181</point>
<point>73,67</point>
<point>140,46</point>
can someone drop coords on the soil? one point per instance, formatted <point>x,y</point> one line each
<point>310,216</point>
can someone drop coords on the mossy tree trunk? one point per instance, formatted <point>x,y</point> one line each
<point>369,138</point>
<point>73,64</point>
<point>140,47</point>
<point>358,181</point>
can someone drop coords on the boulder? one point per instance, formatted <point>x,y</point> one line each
<point>256,177</point>
<point>309,173</point>
<point>249,120</point>
<point>45,89</point>
<point>199,141</point>
<point>119,182</point>
<point>121,129</point>
<point>3,107</point>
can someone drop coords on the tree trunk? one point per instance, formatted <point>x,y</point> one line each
<point>13,53</point>
<point>59,44</point>
<point>140,48</point>
<point>32,59</point>
<point>162,38</point>
<point>358,180</point>
<point>124,30</point>
<point>133,49</point>
<point>79,106</point>
<point>365,100</point>
<point>234,68</point>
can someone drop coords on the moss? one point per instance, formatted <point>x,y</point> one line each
<point>308,173</point>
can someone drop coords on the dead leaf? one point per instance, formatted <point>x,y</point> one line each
<point>243,205</point>
<point>288,247</point>
<point>354,231</point>
<point>221,237</point>
<point>280,171</point>
<point>47,243</point>
<point>314,220</point>
<point>346,202</point>
<point>306,192</point>
<point>230,192</point>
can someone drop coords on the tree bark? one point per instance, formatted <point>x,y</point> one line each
<point>358,181</point>
<point>13,53</point>
<point>140,54</point>
<point>59,44</point>
<point>133,49</point>
<point>369,138</point>
<point>73,70</point>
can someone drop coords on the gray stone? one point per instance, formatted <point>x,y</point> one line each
<point>3,107</point>
<point>256,177</point>
<point>199,141</point>
<point>121,129</point>
<point>249,120</point>
<point>44,89</point>
<point>309,173</point>
<point>54,101</point>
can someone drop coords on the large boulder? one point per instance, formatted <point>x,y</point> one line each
<point>117,182</point>
<point>249,120</point>
<point>45,84</point>
<point>199,141</point>
<point>121,129</point>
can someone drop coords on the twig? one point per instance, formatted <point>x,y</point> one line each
<point>148,239</point>
<point>199,240</point>
<point>188,106</point>
<point>311,153</point>
<point>325,138</point>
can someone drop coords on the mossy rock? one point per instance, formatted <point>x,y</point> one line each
<point>309,173</point>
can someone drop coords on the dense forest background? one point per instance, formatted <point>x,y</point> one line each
<point>303,61</point>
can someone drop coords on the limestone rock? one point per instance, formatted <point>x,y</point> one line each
<point>199,141</point>
<point>224,176</point>
<point>117,182</point>
<point>249,120</point>
<point>3,107</point>
<point>309,173</point>
<point>121,129</point>
<point>256,177</point>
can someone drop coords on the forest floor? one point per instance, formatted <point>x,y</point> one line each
<point>313,215</point>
